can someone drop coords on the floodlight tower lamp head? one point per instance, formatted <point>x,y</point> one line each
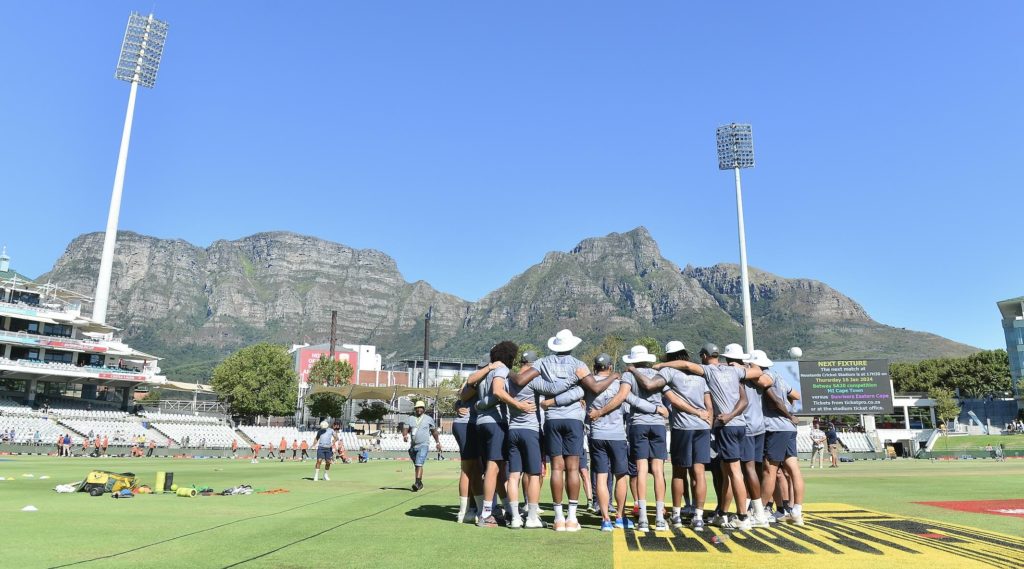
<point>141,50</point>
<point>735,146</point>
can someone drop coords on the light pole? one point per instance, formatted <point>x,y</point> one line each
<point>735,151</point>
<point>141,50</point>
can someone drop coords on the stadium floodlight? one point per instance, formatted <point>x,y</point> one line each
<point>141,51</point>
<point>735,151</point>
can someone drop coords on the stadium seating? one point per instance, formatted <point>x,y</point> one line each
<point>199,436</point>
<point>165,417</point>
<point>117,432</point>
<point>25,429</point>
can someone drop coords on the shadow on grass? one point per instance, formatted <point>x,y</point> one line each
<point>434,511</point>
<point>405,488</point>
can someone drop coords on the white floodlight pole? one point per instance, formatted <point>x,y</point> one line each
<point>139,62</point>
<point>735,151</point>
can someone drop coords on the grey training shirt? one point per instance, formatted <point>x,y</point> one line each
<point>555,370</point>
<point>468,419</point>
<point>420,429</point>
<point>640,415</point>
<point>724,383</point>
<point>753,414</point>
<point>325,438</point>
<point>774,420</point>
<point>494,413</point>
<point>610,427</point>
<point>692,389</point>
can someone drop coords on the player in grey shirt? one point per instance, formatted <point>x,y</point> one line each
<point>563,428</point>
<point>647,438</point>
<point>729,401</point>
<point>691,434</point>
<point>608,439</point>
<point>780,438</point>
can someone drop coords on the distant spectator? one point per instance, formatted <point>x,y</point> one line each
<point>818,446</point>
<point>364,456</point>
<point>37,438</point>
<point>832,437</point>
<point>295,448</point>
<point>152,447</point>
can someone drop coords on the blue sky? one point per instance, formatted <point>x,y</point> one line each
<point>887,136</point>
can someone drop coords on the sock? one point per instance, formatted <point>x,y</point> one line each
<point>559,516</point>
<point>487,510</point>
<point>758,509</point>
<point>785,506</point>
<point>572,509</point>
<point>699,514</point>
<point>514,510</point>
<point>316,474</point>
<point>463,505</point>
<point>742,516</point>
<point>531,511</point>
<point>479,499</point>
<point>659,513</point>
<point>642,504</point>
<point>746,506</point>
<point>798,510</point>
<point>769,505</point>
<point>676,512</point>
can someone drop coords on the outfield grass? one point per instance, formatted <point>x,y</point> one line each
<point>978,442</point>
<point>366,516</point>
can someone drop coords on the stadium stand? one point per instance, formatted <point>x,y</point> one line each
<point>199,435</point>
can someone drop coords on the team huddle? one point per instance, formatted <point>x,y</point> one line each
<point>729,414</point>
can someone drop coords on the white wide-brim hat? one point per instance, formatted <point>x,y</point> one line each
<point>674,346</point>
<point>734,352</point>
<point>639,354</point>
<point>563,341</point>
<point>760,359</point>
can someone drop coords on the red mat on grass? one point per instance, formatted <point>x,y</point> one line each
<point>1013,508</point>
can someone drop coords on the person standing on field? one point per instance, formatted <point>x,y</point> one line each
<point>817,446</point>
<point>324,439</point>
<point>418,434</point>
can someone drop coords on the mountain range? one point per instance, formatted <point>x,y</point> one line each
<point>193,305</point>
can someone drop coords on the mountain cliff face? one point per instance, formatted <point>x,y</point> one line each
<point>194,305</point>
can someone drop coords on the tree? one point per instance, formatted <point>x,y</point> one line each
<point>447,394</point>
<point>947,407</point>
<point>975,376</point>
<point>612,345</point>
<point>326,405</point>
<point>332,373</point>
<point>373,413</point>
<point>257,380</point>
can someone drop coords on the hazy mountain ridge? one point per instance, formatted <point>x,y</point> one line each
<point>194,305</point>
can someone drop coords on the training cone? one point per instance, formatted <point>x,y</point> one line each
<point>30,508</point>
<point>29,475</point>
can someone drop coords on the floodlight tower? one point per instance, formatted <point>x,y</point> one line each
<point>141,50</point>
<point>735,151</point>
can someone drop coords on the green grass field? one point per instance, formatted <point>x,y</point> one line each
<point>366,516</point>
<point>978,442</point>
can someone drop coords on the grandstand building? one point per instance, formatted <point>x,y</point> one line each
<point>48,348</point>
<point>1012,311</point>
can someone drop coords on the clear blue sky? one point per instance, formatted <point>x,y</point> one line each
<point>887,134</point>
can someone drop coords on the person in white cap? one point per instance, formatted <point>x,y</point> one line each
<point>691,434</point>
<point>752,452</point>
<point>418,434</point>
<point>648,443</point>
<point>729,426</point>
<point>563,429</point>
<point>324,439</point>
<point>780,438</point>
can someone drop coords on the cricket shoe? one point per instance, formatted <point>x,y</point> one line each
<point>559,525</point>
<point>660,525</point>
<point>719,520</point>
<point>607,525</point>
<point>488,522</point>
<point>759,521</point>
<point>534,523</point>
<point>796,519</point>
<point>737,524</point>
<point>326,477</point>
<point>516,523</point>
<point>572,525</point>
<point>697,524</point>
<point>643,526</point>
<point>687,511</point>
<point>677,521</point>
